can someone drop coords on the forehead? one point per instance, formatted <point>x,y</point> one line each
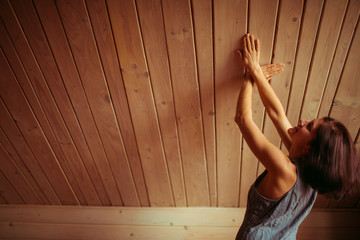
<point>317,123</point>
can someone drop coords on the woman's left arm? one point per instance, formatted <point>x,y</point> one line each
<point>268,154</point>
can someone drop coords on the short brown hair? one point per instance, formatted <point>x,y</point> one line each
<point>332,165</point>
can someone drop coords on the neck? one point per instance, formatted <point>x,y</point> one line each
<point>295,154</point>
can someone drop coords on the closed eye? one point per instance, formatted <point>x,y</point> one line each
<point>310,125</point>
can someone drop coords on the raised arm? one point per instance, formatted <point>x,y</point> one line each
<point>269,155</point>
<point>271,102</point>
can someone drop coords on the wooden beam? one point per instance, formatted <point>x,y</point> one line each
<point>59,222</point>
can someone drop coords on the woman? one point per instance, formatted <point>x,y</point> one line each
<point>322,159</point>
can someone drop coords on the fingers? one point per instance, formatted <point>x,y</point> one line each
<point>247,43</point>
<point>252,41</point>
<point>272,69</point>
<point>251,44</point>
<point>257,45</point>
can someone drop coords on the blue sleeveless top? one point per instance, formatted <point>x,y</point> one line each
<point>276,219</point>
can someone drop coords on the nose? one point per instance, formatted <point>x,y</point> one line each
<point>302,123</point>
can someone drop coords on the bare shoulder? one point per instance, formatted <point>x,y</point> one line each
<point>276,184</point>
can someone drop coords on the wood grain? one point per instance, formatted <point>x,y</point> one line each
<point>327,38</point>
<point>309,28</point>
<point>262,22</point>
<point>289,18</point>
<point>153,35</point>
<point>106,46</point>
<point>156,223</point>
<point>180,42</point>
<point>230,21</point>
<point>139,92</point>
<point>132,103</point>
<point>203,31</point>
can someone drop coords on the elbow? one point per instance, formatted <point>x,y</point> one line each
<point>242,120</point>
<point>239,120</point>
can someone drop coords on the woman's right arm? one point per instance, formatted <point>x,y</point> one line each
<point>272,104</point>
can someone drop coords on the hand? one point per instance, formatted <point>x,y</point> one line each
<point>268,70</point>
<point>271,70</point>
<point>250,55</point>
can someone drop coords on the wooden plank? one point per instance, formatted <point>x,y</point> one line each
<point>342,48</point>
<point>77,174</point>
<point>180,43</point>
<point>77,27</point>
<point>39,85</point>
<point>65,231</point>
<point>22,114</point>
<point>145,216</point>
<point>203,34</point>
<point>9,148</point>
<point>229,26</point>
<point>289,18</point>
<point>34,73</point>
<point>2,200</point>
<point>8,192</point>
<point>328,233</point>
<point>31,166</point>
<point>154,223</point>
<point>96,163</point>
<point>262,22</point>
<point>105,184</point>
<point>106,46</point>
<point>327,38</point>
<point>141,102</point>
<point>309,28</point>
<point>153,34</point>
<point>16,178</point>
<point>23,80</point>
<point>153,216</point>
<point>346,106</point>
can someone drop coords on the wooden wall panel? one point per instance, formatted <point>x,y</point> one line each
<point>132,102</point>
<point>289,18</point>
<point>262,22</point>
<point>103,35</point>
<point>21,169</point>
<point>181,49</point>
<point>48,222</point>
<point>152,29</point>
<point>329,30</point>
<point>230,23</point>
<point>65,121</point>
<point>12,172</point>
<point>203,32</point>
<point>140,97</point>
<point>342,50</point>
<point>57,40</point>
<point>309,27</point>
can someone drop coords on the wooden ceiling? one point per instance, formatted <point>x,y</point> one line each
<point>132,102</point>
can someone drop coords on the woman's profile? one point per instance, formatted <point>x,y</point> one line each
<point>322,159</point>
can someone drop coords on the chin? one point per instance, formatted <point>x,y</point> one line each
<point>291,131</point>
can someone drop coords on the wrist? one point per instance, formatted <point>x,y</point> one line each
<point>255,69</point>
<point>257,73</point>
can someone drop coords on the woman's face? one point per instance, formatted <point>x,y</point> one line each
<point>303,134</point>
